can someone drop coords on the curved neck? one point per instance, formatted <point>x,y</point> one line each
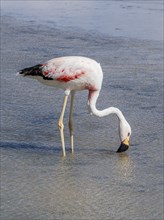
<point>93,95</point>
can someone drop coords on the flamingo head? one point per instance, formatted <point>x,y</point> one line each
<point>125,133</point>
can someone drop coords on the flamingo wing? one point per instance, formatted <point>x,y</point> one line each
<point>65,69</point>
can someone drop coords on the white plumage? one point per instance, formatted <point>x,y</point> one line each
<point>74,73</point>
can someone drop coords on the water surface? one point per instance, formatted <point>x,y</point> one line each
<point>95,182</point>
<point>138,18</point>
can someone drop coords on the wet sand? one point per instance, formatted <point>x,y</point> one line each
<point>95,182</point>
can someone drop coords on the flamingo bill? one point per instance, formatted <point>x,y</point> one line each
<point>124,145</point>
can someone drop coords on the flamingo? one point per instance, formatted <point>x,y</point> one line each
<point>75,73</point>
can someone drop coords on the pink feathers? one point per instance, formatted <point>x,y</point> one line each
<point>62,76</point>
<point>73,73</point>
<point>67,78</point>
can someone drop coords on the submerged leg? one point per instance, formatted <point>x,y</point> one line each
<point>61,125</point>
<point>70,121</point>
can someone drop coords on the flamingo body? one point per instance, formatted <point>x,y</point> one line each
<point>69,73</point>
<point>73,73</point>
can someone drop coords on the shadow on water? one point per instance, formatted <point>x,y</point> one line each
<point>38,146</point>
<point>81,156</point>
<point>26,146</point>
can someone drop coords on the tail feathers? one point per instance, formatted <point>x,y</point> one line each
<point>32,71</point>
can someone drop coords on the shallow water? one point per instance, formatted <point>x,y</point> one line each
<point>95,182</point>
<point>137,18</point>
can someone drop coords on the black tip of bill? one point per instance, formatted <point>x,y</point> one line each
<point>123,147</point>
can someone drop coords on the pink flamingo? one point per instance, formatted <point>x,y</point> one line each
<point>74,73</point>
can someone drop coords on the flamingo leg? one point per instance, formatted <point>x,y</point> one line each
<point>70,121</point>
<point>61,125</point>
<point>88,103</point>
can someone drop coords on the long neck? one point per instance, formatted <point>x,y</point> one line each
<point>93,95</point>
